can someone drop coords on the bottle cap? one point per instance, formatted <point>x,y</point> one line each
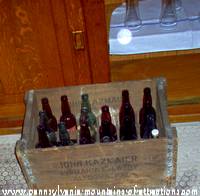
<point>155,133</point>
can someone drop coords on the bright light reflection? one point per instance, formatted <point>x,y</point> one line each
<point>124,36</point>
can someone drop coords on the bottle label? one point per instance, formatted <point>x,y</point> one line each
<point>72,133</point>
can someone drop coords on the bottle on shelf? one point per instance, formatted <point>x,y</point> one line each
<point>46,135</point>
<point>52,122</point>
<point>147,116</point>
<point>127,118</point>
<point>64,135</point>
<point>107,130</point>
<point>68,118</point>
<point>92,121</point>
<point>84,134</point>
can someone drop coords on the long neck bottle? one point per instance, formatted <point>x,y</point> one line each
<point>68,118</point>
<point>107,130</point>
<point>147,114</point>
<point>52,122</point>
<point>127,118</point>
<point>85,136</point>
<point>92,121</point>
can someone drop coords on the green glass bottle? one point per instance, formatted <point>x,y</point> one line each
<point>64,135</point>
<point>92,121</point>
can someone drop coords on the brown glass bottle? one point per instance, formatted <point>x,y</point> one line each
<point>107,130</point>
<point>147,116</point>
<point>52,122</point>
<point>127,118</point>
<point>85,136</point>
<point>68,118</point>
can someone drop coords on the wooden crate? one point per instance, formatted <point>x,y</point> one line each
<point>149,162</point>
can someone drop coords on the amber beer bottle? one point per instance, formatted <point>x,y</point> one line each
<point>52,122</point>
<point>107,130</point>
<point>147,116</point>
<point>68,118</point>
<point>84,136</point>
<point>92,121</point>
<point>127,118</point>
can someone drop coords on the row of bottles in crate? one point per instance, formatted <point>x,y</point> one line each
<point>87,131</point>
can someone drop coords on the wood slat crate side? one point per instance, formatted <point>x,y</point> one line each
<point>101,165</point>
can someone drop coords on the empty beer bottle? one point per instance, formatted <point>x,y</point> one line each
<point>85,136</point>
<point>147,117</point>
<point>52,122</point>
<point>127,118</point>
<point>68,118</point>
<point>43,141</point>
<point>92,121</point>
<point>46,135</point>
<point>64,135</point>
<point>107,130</point>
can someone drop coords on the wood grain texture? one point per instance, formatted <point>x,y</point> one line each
<point>183,78</point>
<point>37,49</point>
<point>95,22</point>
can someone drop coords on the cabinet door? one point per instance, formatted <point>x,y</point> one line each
<point>47,43</point>
<point>29,57</point>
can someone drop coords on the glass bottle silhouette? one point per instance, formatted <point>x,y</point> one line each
<point>147,116</point>
<point>107,130</point>
<point>132,18</point>
<point>64,135</point>
<point>46,135</point>
<point>127,118</point>
<point>52,122</point>
<point>43,141</point>
<point>68,118</point>
<point>84,136</point>
<point>168,13</point>
<point>92,121</point>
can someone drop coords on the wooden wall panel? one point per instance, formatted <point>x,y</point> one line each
<point>95,21</point>
<point>183,78</point>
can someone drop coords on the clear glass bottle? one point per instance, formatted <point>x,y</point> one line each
<point>147,116</point>
<point>132,18</point>
<point>68,118</point>
<point>168,14</point>
<point>127,118</point>
<point>107,130</point>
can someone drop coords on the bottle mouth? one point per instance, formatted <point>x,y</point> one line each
<point>64,98</point>
<point>45,100</point>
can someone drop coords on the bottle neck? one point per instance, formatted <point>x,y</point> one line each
<point>147,101</point>
<point>47,109</point>
<point>65,107</point>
